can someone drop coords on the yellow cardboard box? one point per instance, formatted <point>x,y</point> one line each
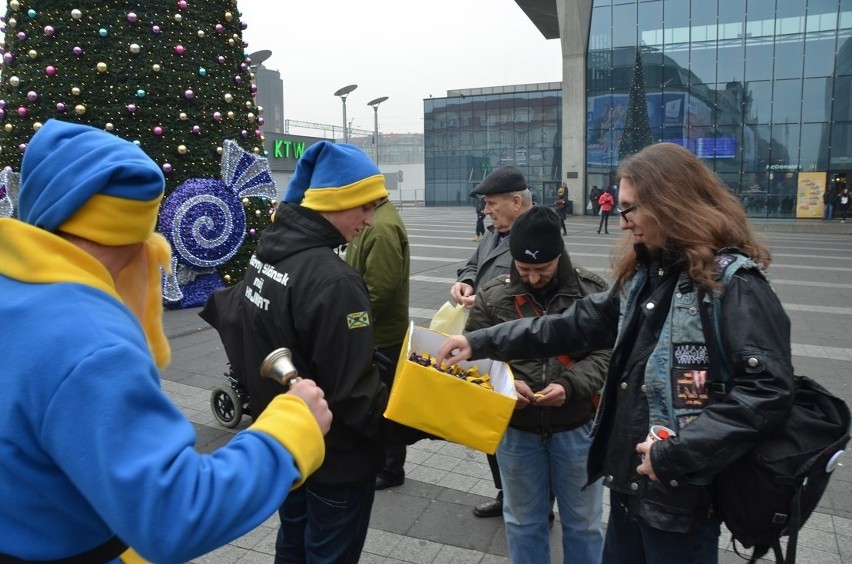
<point>446,406</point>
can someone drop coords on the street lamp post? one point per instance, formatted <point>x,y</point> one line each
<point>343,93</point>
<point>375,104</point>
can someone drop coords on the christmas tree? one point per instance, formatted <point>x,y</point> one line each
<point>172,77</point>
<point>637,128</point>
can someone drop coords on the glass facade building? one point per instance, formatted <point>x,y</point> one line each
<point>471,132</point>
<point>759,89</point>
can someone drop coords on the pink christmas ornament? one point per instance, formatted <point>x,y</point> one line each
<point>50,70</point>
<point>167,168</point>
<point>182,4</point>
<point>49,31</point>
<point>220,59</point>
<point>196,129</point>
<point>189,94</point>
<point>32,95</point>
<point>77,50</point>
<point>131,108</point>
<point>132,17</point>
<point>156,30</point>
<point>158,130</point>
<point>238,79</point>
<point>217,116</point>
<point>60,107</point>
<point>219,28</point>
<point>22,36</point>
<point>244,133</point>
<point>23,112</point>
<point>180,49</point>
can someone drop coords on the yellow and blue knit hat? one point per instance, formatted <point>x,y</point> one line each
<point>84,181</point>
<point>335,177</point>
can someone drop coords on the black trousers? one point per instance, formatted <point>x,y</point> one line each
<point>394,466</point>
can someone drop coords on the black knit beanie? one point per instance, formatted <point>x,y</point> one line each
<point>536,236</point>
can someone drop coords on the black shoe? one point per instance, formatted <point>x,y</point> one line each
<point>493,508</point>
<point>382,483</point>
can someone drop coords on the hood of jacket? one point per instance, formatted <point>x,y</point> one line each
<point>296,229</point>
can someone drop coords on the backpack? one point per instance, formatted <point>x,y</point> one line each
<point>773,489</point>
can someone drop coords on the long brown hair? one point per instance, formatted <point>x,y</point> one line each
<point>694,211</point>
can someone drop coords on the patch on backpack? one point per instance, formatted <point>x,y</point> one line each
<point>358,320</point>
<point>690,375</point>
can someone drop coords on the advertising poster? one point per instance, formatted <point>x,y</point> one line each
<point>809,198</point>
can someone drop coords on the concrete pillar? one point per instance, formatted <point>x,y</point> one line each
<point>575,18</point>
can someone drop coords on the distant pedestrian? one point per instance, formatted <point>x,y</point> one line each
<point>606,202</point>
<point>480,217</point>
<point>844,204</point>
<point>828,199</point>
<point>594,194</point>
<point>561,207</point>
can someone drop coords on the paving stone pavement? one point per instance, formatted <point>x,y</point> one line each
<point>428,520</point>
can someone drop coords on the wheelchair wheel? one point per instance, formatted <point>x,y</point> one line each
<point>226,407</point>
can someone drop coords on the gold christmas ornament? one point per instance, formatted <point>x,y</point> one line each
<point>36,126</point>
<point>182,116</point>
<point>135,48</point>
<point>15,5</point>
<point>229,16</point>
<point>32,53</point>
<point>75,91</point>
<point>156,67</point>
<point>109,126</point>
<point>76,14</point>
<point>8,127</point>
<point>229,97</point>
<point>181,149</point>
<point>14,81</point>
<point>231,115</point>
<point>178,18</point>
<point>80,109</point>
<point>102,67</point>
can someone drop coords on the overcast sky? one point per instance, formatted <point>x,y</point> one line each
<point>398,48</point>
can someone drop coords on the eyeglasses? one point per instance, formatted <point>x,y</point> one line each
<point>626,211</point>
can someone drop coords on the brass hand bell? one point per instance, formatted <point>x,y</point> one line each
<point>278,365</point>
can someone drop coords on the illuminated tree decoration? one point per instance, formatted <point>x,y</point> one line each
<point>637,127</point>
<point>132,68</point>
<point>9,182</point>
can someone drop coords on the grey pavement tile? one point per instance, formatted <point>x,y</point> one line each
<point>381,542</point>
<point>398,513</point>
<point>453,524</point>
<point>415,550</point>
<point>428,475</point>
<point>441,462</point>
<point>494,559</point>
<point>228,554</point>
<point>455,555</point>
<point>459,481</point>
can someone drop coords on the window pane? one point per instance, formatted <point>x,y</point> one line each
<point>676,21</point>
<point>822,15</point>
<point>703,63</point>
<point>755,148</point>
<point>819,55</point>
<point>790,17</point>
<point>731,62</point>
<point>651,23</point>
<point>785,144</point>
<point>703,19</point>
<point>759,61</point>
<point>758,102</point>
<point>788,57</point>
<point>841,144</point>
<point>600,33</point>
<point>816,97</point>
<point>813,154</point>
<point>787,101</point>
<point>624,25</point>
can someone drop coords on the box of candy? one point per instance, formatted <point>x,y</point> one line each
<point>469,404</point>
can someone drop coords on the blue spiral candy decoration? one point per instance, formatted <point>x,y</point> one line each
<point>204,221</point>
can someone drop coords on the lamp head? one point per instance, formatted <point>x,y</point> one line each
<point>375,103</point>
<point>343,92</point>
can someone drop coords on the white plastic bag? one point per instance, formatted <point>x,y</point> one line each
<point>449,319</point>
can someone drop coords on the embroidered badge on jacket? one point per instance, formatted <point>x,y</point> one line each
<point>358,319</point>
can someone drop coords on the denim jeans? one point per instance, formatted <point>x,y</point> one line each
<point>630,541</point>
<point>323,524</point>
<point>533,468</point>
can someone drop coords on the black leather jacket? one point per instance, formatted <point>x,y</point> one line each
<point>756,336</point>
